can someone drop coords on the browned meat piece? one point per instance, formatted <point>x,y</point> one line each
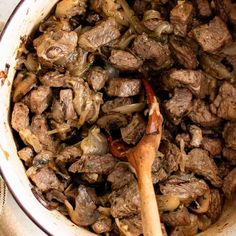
<point>232,15</point>
<point>159,176</point>
<point>213,66</point>
<point>184,54</point>
<point>132,225</point>
<point>53,79</point>
<point>180,217</point>
<point>112,121</point>
<point>123,87</point>
<point>187,191</point>
<point>85,212</point>
<point>57,112</point>
<point>230,135</point>
<point>224,169</point>
<point>200,163</point>
<point>40,99</point>
<point>140,6</point>
<point>189,230</point>
<point>56,47</point>
<point>123,60</point>
<point>69,8</point>
<point>172,157</point>
<point>97,78</point>
<point>45,179</point>
<point>102,225</point>
<point>229,184</point>
<point>134,131</point>
<point>224,105</point>
<point>43,158</point>
<point>120,176</point>
<point>66,99</point>
<point>204,8</point>
<point>196,134</point>
<point>26,154</point>
<point>179,105</point>
<point>126,201</point>
<point>191,79</point>
<point>100,35</point>
<point>93,18</point>
<point>222,8</point>
<point>212,36</point>
<point>216,205</point>
<point>39,128</point>
<point>230,155</point>
<point>213,146</point>
<point>149,49</point>
<point>94,164</point>
<point>20,117</point>
<point>181,18</point>
<point>117,102</point>
<point>68,155</point>
<point>201,115</point>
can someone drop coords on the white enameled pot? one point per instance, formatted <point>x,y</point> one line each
<point>23,20</point>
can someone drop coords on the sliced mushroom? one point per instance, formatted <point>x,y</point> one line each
<point>203,203</point>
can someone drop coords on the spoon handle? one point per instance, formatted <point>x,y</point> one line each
<point>149,209</point>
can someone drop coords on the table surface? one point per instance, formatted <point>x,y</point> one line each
<point>13,221</point>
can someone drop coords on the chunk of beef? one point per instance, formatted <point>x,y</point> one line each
<point>149,49</point>
<point>56,48</point>
<point>172,156</point>
<point>40,99</point>
<point>39,128</point>
<point>188,230</point>
<point>212,36</point>
<point>94,164</point>
<point>102,225</point>
<point>123,87</point>
<point>187,191</point>
<point>66,99</point>
<point>57,112</point>
<point>97,78</point>
<point>204,8</point>
<point>230,135</point>
<point>196,134</point>
<point>201,115</point>
<point>85,212</point>
<point>179,105</point>
<point>215,206</point>
<point>180,217</point>
<point>191,79</point>
<point>125,202</point>
<point>199,162</point>
<point>113,121</point>
<point>184,54</point>
<point>159,175</point>
<point>69,8</point>
<point>44,158</point>
<point>134,131</point>
<point>224,168</point>
<point>229,184</point>
<point>230,155</point>
<point>213,146</point>
<point>224,105</point>
<point>20,117</point>
<point>132,225</point>
<point>181,18</point>
<point>53,79</point>
<point>117,102</point>
<point>55,195</point>
<point>68,155</point>
<point>26,154</point>
<point>45,179</point>
<point>100,35</point>
<point>120,176</point>
<point>140,6</point>
<point>222,8</point>
<point>123,60</point>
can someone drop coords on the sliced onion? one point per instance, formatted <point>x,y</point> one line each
<point>131,108</point>
<point>151,14</point>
